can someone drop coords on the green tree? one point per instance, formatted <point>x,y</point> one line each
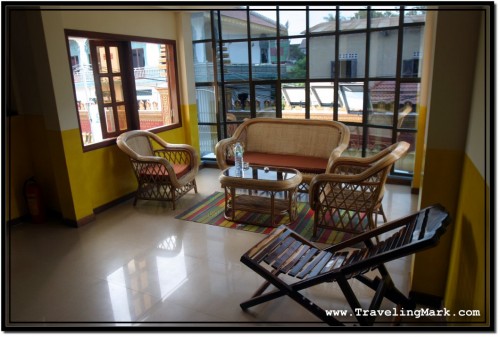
<point>329,17</point>
<point>299,68</point>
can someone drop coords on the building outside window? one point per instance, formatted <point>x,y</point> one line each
<point>121,84</point>
<point>286,62</point>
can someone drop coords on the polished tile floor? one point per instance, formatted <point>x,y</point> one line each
<point>139,266</point>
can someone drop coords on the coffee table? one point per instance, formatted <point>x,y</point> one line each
<point>264,190</point>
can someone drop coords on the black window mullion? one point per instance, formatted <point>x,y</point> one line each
<point>279,113</point>
<point>221,98</point>
<point>253,107</point>
<point>336,67</point>
<point>215,84</point>
<point>307,87</point>
<point>365,81</point>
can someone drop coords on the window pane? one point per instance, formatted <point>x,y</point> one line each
<point>235,61</point>
<point>262,68</point>
<point>265,100</point>
<point>387,16</point>
<point>408,100</point>
<point>234,24</point>
<point>203,62</point>
<point>321,98</point>
<point>106,91</point>
<point>152,88</point>
<point>293,18</point>
<point>208,140</point>
<point>382,96</point>
<point>263,23</point>
<point>115,59</point>
<point>351,98</point>
<point>122,117</point>
<point>101,59</point>
<point>293,100</point>
<point>415,14</point>
<point>351,61</point>
<point>321,56</point>
<point>117,81</point>
<point>200,26</point>
<point>321,21</point>
<point>88,112</point>
<point>295,58</point>
<point>110,119</point>
<point>237,99</point>
<point>383,53</point>
<point>378,139</point>
<point>355,142</point>
<point>205,102</point>
<point>412,51</point>
<point>353,19</point>
<point>406,164</point>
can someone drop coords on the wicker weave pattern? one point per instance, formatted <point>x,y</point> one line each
<point>348,198</point>
<point>155,161</point>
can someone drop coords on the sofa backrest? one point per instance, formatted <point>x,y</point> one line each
<point>313,138</point>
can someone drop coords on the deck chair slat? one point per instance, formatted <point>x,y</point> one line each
<point>292,260</point>
<point>397,238</point>
<point>267,241</point>
<point>286,255</point>
<point>424,225</point>
<point>403,233</point>
<point>350,257</point>
<point>335,261</point>
<point>303,261</point>
<point>311,264</point>
<point>278,250</point>
<point>411,229</point>
<point>317,269</point>
<point>269,247</point>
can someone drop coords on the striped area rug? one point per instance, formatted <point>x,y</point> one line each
<point>211,211</point>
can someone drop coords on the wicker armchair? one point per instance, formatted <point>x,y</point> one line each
<point>350,196</point>
<point>164,171</point>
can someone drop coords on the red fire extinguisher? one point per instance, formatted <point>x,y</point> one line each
<point>33,195</point>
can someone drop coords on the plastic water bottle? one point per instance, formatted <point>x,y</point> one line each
<point>238,158</point>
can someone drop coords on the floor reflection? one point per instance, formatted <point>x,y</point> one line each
<point>158,273</point>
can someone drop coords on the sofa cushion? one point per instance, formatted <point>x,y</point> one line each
<point>301,163</point>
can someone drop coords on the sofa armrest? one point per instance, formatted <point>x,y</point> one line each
<point>223,151</point>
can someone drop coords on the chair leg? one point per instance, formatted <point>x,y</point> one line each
<point>315,224</point>
<point>351,298</point>
<point>172,189</point>
<point>195,186</point>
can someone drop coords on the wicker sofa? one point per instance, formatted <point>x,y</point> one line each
<point>309,146</point>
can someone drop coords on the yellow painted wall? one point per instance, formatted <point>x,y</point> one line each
<point>469,272</point>
<point>468,285</point>
<point>452,85</point>
<point>441,186</point>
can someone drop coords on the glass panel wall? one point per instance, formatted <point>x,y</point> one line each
<point>359,65</point>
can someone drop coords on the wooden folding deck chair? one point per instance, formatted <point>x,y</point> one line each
<point>286,252</point>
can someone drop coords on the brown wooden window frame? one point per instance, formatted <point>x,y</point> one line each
<point>129,91</point>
